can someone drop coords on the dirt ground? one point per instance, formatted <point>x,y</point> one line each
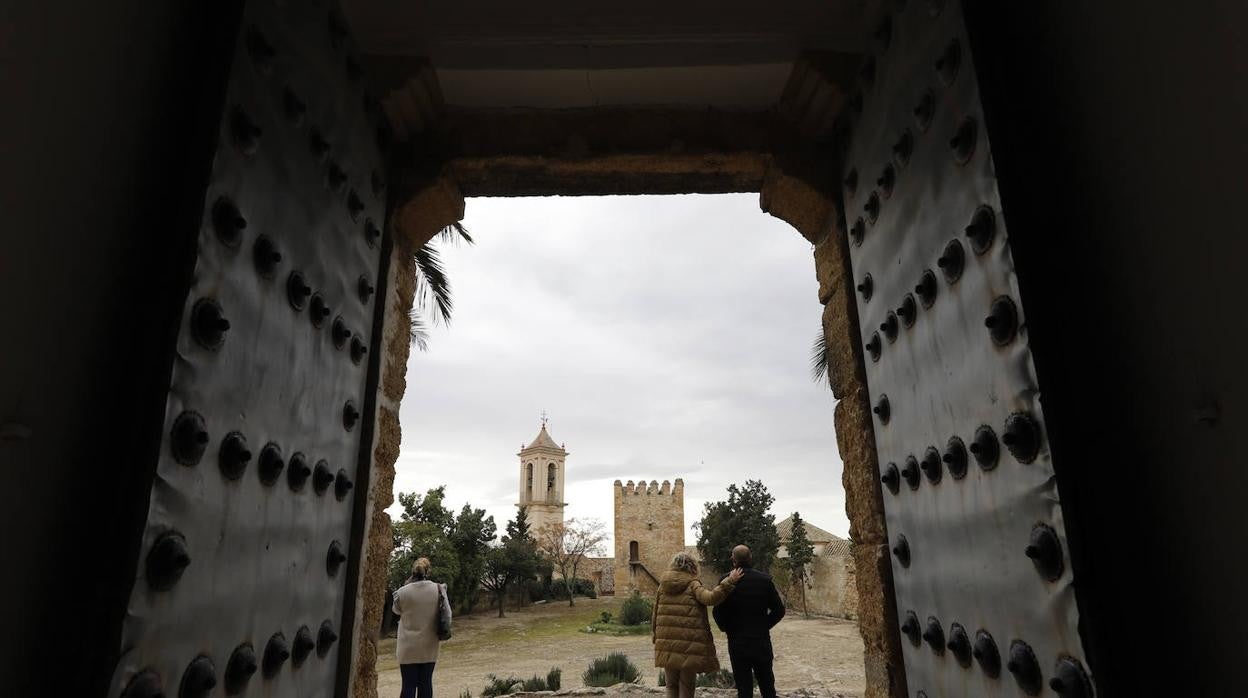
<point>823,654</point>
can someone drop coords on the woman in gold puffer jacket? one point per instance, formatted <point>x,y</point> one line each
<point>683,646</point>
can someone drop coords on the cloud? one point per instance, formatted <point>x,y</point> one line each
<point>666,336</point>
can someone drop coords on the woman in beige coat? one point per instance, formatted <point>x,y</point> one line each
<point>683,646</point>
<point>418,605</point>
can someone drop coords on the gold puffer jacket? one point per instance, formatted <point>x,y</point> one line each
<point>679,627</point>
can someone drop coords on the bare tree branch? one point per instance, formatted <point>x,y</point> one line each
<point>567,544</point>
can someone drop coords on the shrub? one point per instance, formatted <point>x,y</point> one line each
<point>501,686</point>
<point>580,587</point>
<point>606,616</point>
<point>495,686</point>
<point>536,590</point>
<point>610,670</point>
<point>554,679</point>
<point>635,610</point>
<point>716,679</point>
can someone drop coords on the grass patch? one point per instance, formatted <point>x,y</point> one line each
<point>521,628</point>
<point>528,627</point>
<point>615,629</point>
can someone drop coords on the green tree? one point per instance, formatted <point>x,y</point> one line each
<point>423,530</point>
<point>524,558</point>
<point>506,565</point>
<point>801,554</point>
<point>515,562</point>
<point>470,537</point>
<point>519,527</point>
<point>741,519</point>
<point>497,577</point>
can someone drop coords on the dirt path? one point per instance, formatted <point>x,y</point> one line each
<point>821,654</point>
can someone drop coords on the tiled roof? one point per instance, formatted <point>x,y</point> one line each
<point>543,440</point>
<point>839,547</point>
<point>815,534</point>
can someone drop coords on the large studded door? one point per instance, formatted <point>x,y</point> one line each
<point>245,577</point>
<point>983,584</point>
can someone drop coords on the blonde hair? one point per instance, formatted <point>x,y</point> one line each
<point>420,568</point>
<point>684,562</point>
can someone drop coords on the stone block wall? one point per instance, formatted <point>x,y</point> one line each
<point>652,516</point>
<point>831,591</point>
<point>600,571</point>
<point>378,539</point>
<point>816,213</point>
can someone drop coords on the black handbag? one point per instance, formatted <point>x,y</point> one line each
<point>443,614</point>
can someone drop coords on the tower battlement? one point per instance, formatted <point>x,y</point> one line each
<point>649,530</point>
<point>653,487</point>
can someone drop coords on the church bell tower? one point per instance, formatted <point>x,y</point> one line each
<point>541,479</point>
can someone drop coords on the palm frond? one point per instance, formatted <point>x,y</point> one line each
<point>433,288</point>
<point>417,330</point>
<point>819,357</point>
<point>455,232</point>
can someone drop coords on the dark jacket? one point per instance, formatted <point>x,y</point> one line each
<point>753,608</point>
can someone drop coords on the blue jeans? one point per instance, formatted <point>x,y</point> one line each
<point>417,680</point>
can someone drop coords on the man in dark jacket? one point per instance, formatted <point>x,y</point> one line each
<point>747,617</point>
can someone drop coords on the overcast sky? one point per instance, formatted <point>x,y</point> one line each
<point>665,336</point>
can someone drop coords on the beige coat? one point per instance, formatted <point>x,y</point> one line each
<point>417,607</point>
<point>679,627</point>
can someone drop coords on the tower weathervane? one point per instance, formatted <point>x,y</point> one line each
<point>544,419</point>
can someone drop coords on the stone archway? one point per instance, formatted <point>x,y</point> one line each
<point>788,191</point>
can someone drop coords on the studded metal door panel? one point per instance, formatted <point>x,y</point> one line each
<point>242,581</point>
<point>983,587</point>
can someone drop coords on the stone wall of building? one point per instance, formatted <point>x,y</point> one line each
<point>831,590</point>
<point>600,571</point>
<point>649,530</point>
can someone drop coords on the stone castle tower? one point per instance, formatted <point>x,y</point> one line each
<point>649,530</point>
<point>541,480</point>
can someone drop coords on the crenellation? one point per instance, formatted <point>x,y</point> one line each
<point>648,532</point>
